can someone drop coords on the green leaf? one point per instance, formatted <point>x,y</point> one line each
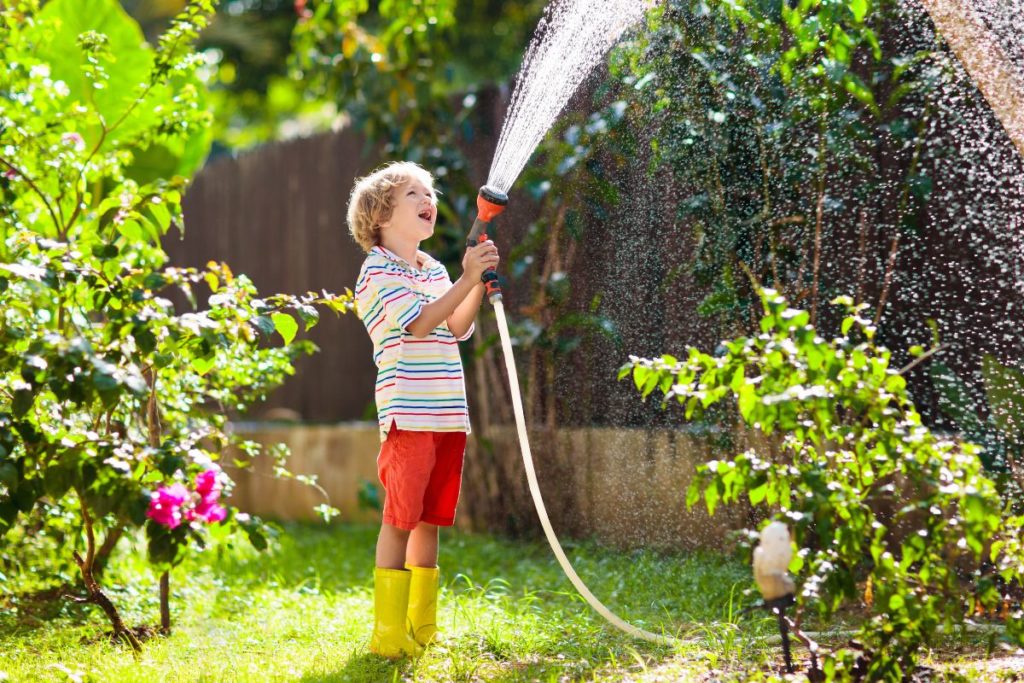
<point>711,497</point>
<point>859,9</point>
<point>8,475</point>
<point>286,326</point>
<point>747,401</point>
<point>154,281</point>
<point>955,400</point>
<point>23,399</point>
<point>161,217</point>
<point>692,494</point>
<point>203,365</point>
<point>757,494</point>
<point>1004,388</point>
<point>105,251</point>
<point>310,316</point>
<point>57,481</point>
<point>256,537</point>
<point>126,71</point>
<point>131,230</point>
<point>738,379</point>
<point>25,496</point>
<point>163,548</point>
<point>264,324</point>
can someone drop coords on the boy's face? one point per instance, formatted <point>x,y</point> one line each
<point>415,212</point>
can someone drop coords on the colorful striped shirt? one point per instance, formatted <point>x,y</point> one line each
<point>420,384</point>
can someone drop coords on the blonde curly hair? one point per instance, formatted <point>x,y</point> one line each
<point>373,199</point>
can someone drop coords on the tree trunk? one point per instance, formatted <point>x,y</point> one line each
<point>165,603</point>
<point>103,554</point>
<point>96,594</point>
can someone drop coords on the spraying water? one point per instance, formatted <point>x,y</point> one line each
<point>570,41</point>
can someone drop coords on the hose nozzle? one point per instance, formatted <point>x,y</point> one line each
<point>490,202</point>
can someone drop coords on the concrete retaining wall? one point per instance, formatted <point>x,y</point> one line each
<point>624,487</point>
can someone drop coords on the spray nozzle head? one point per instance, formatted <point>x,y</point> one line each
<point>490,202</point>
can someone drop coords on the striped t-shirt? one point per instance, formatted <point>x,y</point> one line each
<point>420,385</point>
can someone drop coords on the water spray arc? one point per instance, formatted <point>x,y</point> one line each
<point>570,42</point>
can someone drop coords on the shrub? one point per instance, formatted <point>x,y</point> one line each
<point>112,402</point>
<point>886,515</point>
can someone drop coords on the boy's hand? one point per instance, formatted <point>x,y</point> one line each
<point>479,258</point>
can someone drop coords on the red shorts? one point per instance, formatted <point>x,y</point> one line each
<point>422,474</point>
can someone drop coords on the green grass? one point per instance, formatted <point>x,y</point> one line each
<point>303,613</point>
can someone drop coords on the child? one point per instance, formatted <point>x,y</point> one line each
<point>415,317</point>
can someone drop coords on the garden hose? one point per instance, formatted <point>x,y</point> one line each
<point>491,202</point>
<point>538,501</point>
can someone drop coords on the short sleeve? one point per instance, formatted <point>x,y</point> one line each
<point>469,332</point>
<point>386,297</point>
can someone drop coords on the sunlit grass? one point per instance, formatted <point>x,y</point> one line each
<point>302,613</point>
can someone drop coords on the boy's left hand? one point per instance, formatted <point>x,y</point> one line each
<point>479,258</point>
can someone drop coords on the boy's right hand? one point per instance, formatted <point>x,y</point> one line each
<point>479,258</point>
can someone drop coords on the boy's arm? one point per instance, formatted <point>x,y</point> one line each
<point>462,318</point>
<point>437,311</point>
<point>460,303</point>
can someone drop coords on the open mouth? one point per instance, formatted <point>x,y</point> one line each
<point>427,215</point>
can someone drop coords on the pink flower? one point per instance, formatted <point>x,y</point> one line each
<point>165,505</point>
<point>171,505</point>
<point>73,140</point>
<point>212,513</point>
<point>208,485</point>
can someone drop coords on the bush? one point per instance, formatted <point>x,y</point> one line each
<point>112,402</point>
<point>886,516</point>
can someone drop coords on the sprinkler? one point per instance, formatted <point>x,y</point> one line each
<point>489,203</point>
<point>771,572</point>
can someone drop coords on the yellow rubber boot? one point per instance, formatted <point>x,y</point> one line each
<point>423,604</point>
<point>391,637</point>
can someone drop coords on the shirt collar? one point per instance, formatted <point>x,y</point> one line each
<point>427,259</point>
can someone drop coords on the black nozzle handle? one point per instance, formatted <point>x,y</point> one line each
<point>479,228</point>
<point>489,276</point>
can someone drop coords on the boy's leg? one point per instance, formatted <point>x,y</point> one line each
<point>439,502</point>
<point>422,548</point>
<point>403,459</point>
<point>421,560</point>
<point>392,544</point>
<point>423,583</point>
<point>391,637</point>
<point>391,583</point>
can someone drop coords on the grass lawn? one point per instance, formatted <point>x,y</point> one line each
<point>303,613</point>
